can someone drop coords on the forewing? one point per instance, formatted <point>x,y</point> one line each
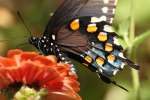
<point>65,12</point>
<point>104,9</point>
<point>69,9</point>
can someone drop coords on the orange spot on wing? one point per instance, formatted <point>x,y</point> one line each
<point>102,36</point>
<point>92,28</point>
<point>100,61</point>
<point>75,25</point>
<point>88,59</point>
<point>111,58</point>
<point>108,47</point>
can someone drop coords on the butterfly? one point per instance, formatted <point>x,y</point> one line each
<point>82,30</point>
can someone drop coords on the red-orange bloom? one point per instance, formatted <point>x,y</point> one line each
<point>31,68</point>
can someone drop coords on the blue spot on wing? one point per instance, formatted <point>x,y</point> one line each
<point>108,68</point>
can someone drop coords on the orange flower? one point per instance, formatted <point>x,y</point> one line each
<point>30,68</point>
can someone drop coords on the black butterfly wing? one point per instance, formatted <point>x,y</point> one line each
<point>77,43</point>
<point>99,8</point>
<point>65,12</point>
<point>69,9</point>
<point>81,43</point>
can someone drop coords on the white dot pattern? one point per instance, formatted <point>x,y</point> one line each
<point>106,1</point>
<point>53,37</point>
<point>108,28</point>
<point>105,9</point>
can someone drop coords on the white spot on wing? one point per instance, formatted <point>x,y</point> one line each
<point>63,58</point>
<point>95,19</point>
<point>105,9</point>
<point>93,43</point>
<point>103,18</point>
<point>110,61</point>
<point>53,37</point>
<point>82,56</point>
<point>92,25</point>
<point>116,1</point>
<point>121,55</point>
<point>106,1</point>
<point>45,46</point>
<point>113,11</point>
<point>66,62</point>
<point>108,28</point>
<point>116,41</point>
<point>44,37</point>
<point>111,20</point>
<point>42,41</point>
<point>103,33</point>
<point>52,44</point>
<point>115,72</point>
<point>76,20</point>
<point>101,70</point>
<point>122,65</point>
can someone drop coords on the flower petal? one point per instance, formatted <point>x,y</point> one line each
<point>30,68</point>
<point>62,96</point>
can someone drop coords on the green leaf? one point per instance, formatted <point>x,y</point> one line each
<point>141,38</point>
<point>124,28</point>
<point>123,31</point>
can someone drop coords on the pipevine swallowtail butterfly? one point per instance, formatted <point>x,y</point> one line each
<point>81,30</point>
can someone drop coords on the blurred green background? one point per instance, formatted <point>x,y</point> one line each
<point>36,14</point>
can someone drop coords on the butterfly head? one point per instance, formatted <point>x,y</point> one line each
<point>44,44</point>
<point>33,41</point>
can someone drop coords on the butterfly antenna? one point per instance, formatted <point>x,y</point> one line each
<point>21,45</point>
<point>22,20</point>
<point>4,40</point>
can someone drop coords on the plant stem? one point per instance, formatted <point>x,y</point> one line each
<point>132,54</point>
<point>135,74</point>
